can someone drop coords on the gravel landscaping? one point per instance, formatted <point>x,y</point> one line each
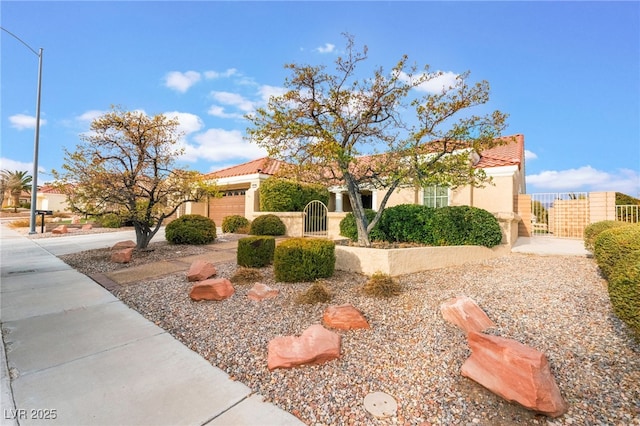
<point>556,304</point>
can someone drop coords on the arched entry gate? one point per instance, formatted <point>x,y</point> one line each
<point>315,219</point>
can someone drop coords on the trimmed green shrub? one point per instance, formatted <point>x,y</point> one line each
<point>408,223</point>
<point>302,259</point>
<point>234,223</point>
<point>317,293</point>
<point>191,229</point>
<point>256,251</point>
<point>624,290</point>
<point>614,244</point>
<point>268,224</point>
<point>592,231</point>
<point>349,230</point>
<point>465,225</point>
<point>286,195</point>
<point>109,220</point>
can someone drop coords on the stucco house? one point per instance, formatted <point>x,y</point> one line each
<point>504,163</point>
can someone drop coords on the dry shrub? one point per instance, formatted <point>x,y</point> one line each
<point>25,223</point>
<point>382,285</point>
<point>246,276</point>
<point>317,293</point>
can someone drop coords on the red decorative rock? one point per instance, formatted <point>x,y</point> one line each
<point>466,314</point>
<point>344,317</point>
<point>213,289</point>
<point>201,270</point>
<point>261,291</point>
<point>87,227</point>
<point>314,346</point>
<point>515,372</point>
<point>62,229</point>
<point>122,256</point>
<point>75,220</point>
<point>124,245</point>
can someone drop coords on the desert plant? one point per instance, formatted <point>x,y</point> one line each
<point>256,251</point>
<point>592,231</point>
<point>300,259</point>
<point>624,290</point>
<point>382,285</point>
<point>316,293</point>
<point>191,229</point>
<point>246,276</point>
<point>235,223</point>
<point>268,224</point>
<point>614,244</point>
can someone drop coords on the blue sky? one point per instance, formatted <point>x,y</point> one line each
<point>567,73</point>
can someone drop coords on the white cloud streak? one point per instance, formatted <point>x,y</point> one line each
<point>189,123</point>
<point>530,155</point>
<point>23,121</point>
<point>221,145</point>
<point>586,178</point>
<point>180,81</point>
<point>436,83</point>
<point>327,48</point>
<point>212,75</point>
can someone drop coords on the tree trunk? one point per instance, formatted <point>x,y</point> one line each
<point>143,235</point>
<point>358,212</point>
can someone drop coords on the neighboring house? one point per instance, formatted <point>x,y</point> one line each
<point>505,164</point>
<point>50,198</point>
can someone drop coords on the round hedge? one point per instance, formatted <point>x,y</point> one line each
<point>465,225</point>
<point>191,229</point>
<point>624,290</point>
<point>268,224</point>
<point>613,244</point>
<point>592,231</point>
<point>234,223</point>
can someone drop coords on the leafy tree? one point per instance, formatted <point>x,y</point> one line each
<point>125,165</point>
<point>327,121</point>
<point>15,182</point>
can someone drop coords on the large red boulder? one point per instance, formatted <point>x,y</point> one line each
<point>261,291</point>
<point>124,245</point>
<point>344,317</point>
<point>122,256</point>
<point>466,314</point>
<point>314,346</point>
<point>201,270</point>
<point>514,371</point>
<point>213,289</point>
<point>62,229</point>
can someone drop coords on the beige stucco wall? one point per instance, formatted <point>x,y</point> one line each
<point>407,261</point>
<point>399,196</point>
<point>602,206</point>
<point>54,202</point>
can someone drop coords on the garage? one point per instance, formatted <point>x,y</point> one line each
<point>231,203</point>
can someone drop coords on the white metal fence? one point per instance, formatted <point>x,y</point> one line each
<point>315,219</point>
<point>562,215</point>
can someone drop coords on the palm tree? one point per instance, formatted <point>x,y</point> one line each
<point>16,182</point>
<point>3,186</point>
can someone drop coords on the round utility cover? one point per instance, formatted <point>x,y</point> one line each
<point>380,404</point>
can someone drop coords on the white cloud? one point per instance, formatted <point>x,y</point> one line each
<point>23,121</point>
<point>586,178</point>
<point>530,155</point>
<point>327,48</point>
<point>221,145</point>
<point>13,165</point>
<point>181,82</point>
<point>267,92</point>
<point>189,123</point>
<point>435,83</point>
<point>90,115</point>
<point>233,99</point>
<point>215,74</point>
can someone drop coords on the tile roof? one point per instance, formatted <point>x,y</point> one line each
<point>264,165</point>
<point>509,154</point>
<point>48,189</point>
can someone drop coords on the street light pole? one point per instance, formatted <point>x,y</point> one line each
<point>36,142</point>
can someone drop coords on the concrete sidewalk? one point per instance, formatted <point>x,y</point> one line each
<point>76,354</point>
